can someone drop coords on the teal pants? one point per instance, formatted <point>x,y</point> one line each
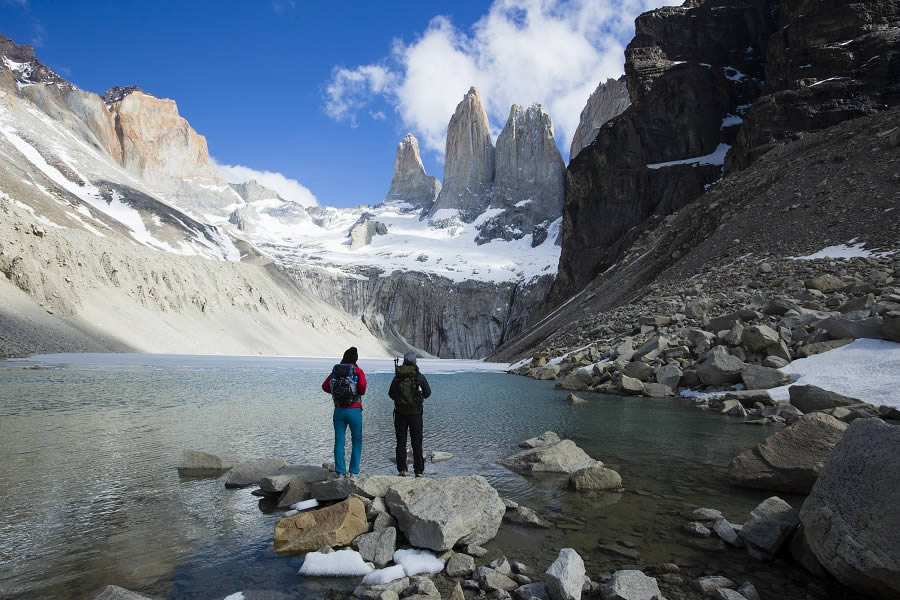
<point>344,418</point>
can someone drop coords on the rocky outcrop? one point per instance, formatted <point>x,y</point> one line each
<point>687,70</point>
<point>561,457</point>
<point>335,525</point>
<point>410,183</point>
<point>362,233</point>
<point>195,462</point>
<point>448,319</point>
<point>252,191</point>
<point>825,63</point>
<point>530,177</point>
<point>19,59</point>
<point>565,577</point>
<point>441,513</point>
<point>608,101</point>
<point>850,518</point>
<point>468,161</point>
<point>789,460</point>
<point>251,472</point>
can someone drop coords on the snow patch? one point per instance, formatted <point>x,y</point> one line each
<point>418,561</point>
<point>235,596</point>
<point>848,250</point>
<point>342,563</point>
<point>716,157</point>
<point>382,576</point>
<point>865,369</point>
<point>305,504</point>
<point>730,120</point>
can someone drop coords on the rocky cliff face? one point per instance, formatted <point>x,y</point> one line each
<point>444,318</point>
<point>608,101</point>
<point>27,69</point>
<point>708,77</point>
<point>826,62</point>
<point>410,183</point>
<point>529,181</point>
<point>468,161</point>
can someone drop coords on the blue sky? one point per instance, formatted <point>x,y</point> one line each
<point>323,92</point>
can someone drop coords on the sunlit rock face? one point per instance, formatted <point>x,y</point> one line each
<point>608,101</point>
<point>410,183</point>
<point>469,160</point>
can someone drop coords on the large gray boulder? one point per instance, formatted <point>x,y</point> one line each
<point>544,372</point>
<point>630,584</point>
<point>563,457</point>
<point>548,438</point>
<point>851,518</point>
<point>809,398</point>
<point>250,473</point>
<point>278,481</point>
<point>759,337</point>
<point>439,513</point>
<point>378,547</point>
<point>842,327</point>
<point>669,375</point>
<point>577,380</point>
<point>565,577</point>
<point>789,460</point>
<point>756,377</point>
<point>720,368</point>
<point>595,478</point>
<point>771,524</point>
<point>195,462</point>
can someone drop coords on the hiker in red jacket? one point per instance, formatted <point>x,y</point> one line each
<point>347,383</point>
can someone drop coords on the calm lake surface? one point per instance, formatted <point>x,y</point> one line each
<point>90,495</point>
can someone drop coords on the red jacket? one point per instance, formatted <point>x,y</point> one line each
<point>360,385</point>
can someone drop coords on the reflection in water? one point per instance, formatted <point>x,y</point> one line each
<point>91,495</point>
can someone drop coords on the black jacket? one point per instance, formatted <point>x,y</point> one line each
<point>421,385</point>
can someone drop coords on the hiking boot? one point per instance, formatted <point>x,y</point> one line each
<point>401,473</point>
<point>420,474</point>
<point>353,477</point>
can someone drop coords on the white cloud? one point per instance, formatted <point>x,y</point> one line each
<point>287,188</point>
<point>554,52</point>
<point>377,115</point>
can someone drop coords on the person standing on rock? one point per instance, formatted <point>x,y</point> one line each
<point>408,390</point>
<point>347,383</point>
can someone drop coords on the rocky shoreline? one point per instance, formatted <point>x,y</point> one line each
<point>724,339</point>
<point>423,539</point>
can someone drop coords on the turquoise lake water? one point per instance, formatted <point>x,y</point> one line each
<point>90,493</point>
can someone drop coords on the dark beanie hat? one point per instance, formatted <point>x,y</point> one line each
<point>350,356</point>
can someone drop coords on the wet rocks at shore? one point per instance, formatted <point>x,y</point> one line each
<point>563,456</point>
<point>198,463</point>
<point>789,460</point>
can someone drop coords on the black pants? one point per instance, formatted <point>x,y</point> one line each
<point>414,424</point>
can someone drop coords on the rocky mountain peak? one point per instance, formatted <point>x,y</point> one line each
<point>608,101</point>
<point>530,175</point>
<point>19,59</point>
<point>410,183</point>
<point>468,161</point>
<point>252,191</point>
<point>117,93</point>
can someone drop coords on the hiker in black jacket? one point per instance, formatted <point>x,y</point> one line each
<point>408,389</point>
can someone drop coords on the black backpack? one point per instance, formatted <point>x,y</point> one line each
<point>409,397</point>
<point>343,385</point>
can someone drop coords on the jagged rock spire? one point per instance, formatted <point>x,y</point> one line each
<point>608,101</point>
<point>469,159</point>
<point>410,183</point>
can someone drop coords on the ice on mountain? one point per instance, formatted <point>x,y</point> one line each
<point>716,157</point>
<point>418,561</point>
<point>342,563</point>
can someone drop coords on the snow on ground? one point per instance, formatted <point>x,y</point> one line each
<point>235,596</point>
<point>418,561</point>
<point>305,504</point>
<point>442,245</point>
<point>342,563</point>
<point>385,575</point>
<point>849,250</point>
<point>866,369</point>
<point>716,157</point>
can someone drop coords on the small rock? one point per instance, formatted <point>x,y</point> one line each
<point>708,585</point>
<point>573,399</point>
<point>630,585</point>
<point>565,577</point>
<point>460,565</point>
<point>696,528</point>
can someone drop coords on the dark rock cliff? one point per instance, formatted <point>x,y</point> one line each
<point>749,74</point>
